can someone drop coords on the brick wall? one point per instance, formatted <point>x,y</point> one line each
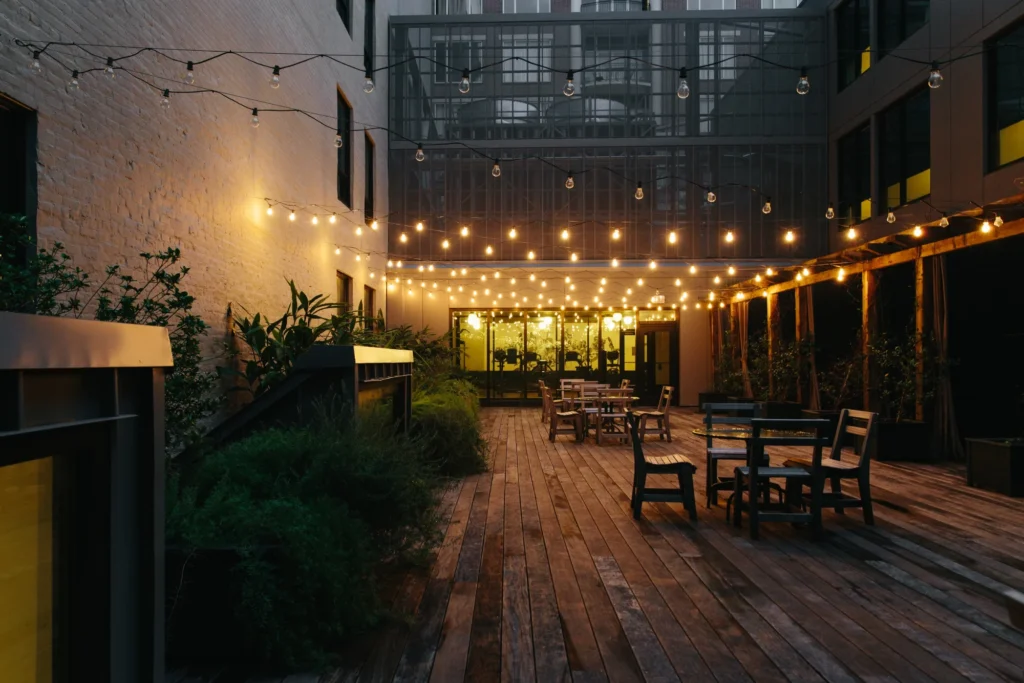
<point>118,175</point>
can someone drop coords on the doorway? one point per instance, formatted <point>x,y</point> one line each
<point>658,359</point>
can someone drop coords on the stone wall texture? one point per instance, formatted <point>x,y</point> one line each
<point>118,175</point>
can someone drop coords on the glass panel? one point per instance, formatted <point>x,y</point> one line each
<point>611,344</point>
<point>581,343</point>
<point>542,348</point>
<point>1006,93</point>
<point>507,349</point>
<point>26,571</point>
<point>656,316</point>
<point>471,334</point>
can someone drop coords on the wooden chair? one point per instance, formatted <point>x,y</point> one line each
<point>562,420</point>
<point>853,425</point>
<point>610,424</point>
<point>724,414</point>
<point>545,398</point>
<point>754,478</point>
<point>643,465</point>
<point>660,415</point>
<point>624,384</point>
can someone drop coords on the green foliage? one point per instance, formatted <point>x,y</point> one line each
<point>310,514</point>
<point>729,369</point>
<point>31,281</point>
<point>841,382</point>
<point>446,423</point>
<point>894,360</point>
<point>777,378</point>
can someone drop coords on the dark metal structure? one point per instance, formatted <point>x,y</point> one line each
<point>82,499</point>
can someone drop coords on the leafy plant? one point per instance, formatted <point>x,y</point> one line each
<point>775,377</point>
<point>445,422</point>
<point>841,382</point>
<point>31,281</point>
<point>729,369</point>
<point>895,360</point>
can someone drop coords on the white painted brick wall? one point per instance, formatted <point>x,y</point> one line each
<point>118,175</point>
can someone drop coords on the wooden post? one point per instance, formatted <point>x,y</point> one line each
<point>773,317</point>
<point>922,325</point>
<point>868,330</point>
<point>799,336</point>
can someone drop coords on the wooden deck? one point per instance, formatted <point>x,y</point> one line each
<point>544,575</point>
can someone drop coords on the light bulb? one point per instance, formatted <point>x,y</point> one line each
<point>569,182</point>
<point>757,278</point>
<point>568,279</point>
<point>943,222</point>
<point>918,231</point>
<point>34,66</point>
<point>190,75</point>
<point>420,154</point>
<point>464,83</point>
<point>803,84</point>
<point>333,219</point>
<point>890,217</point>
<point>679,283</point>
<point>572,256</point>
<point>672,237</point>
<point>986,227</point>
<point>512,233</point>
<point>616,234</point>
<point>729,237</point>
<point>530,255</point>
<point>108,70</point>
<point>368,85</point>
<point>565,235</point>
<point>291,216</point>
<point>255,120</point>
<point>419,227</point>
<point>533,277</point>
<point>653,264</point>
<point>830,212</point>
<point>339,141</point>
<point>997,221</point>
<point>359,231</point>
<point>799,277</point>
<point>463,271</point>
<point>639,194</point>
<point>693,270</point>
<point>935,77</point>
<point>732,270</point>
<point>374,225</point>
<point>337,251</point>
<point>769,272</point>
<point>615,263</point>
<point>73,83</point>
<point>315,220</point>
<point>711,197</point>
<point>270,210</point>
<point>718,280</point>
<point>445,244</point>
<point>851,234</point>
<point>569,89</point>
<point>165,99</point>
<point>683,91</point>
<point>496,169</point>
<point>806,272</point>
<point>841,275</point>
<point>766,208</point>
<point>403,238</point>
<point>275,78</point>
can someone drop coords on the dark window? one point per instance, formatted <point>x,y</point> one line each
<point>345,152</point>
<point>853,28</point>
<point>17,169</point>
<point>369,305</point>
<point>898,20</point>
<point>452,57</point>
<point>1006,97</point>
<point>368,179</point>
<point>854,157</point>
<point>344,292</point>
<point>904,146</point>
<point>369,35</point>
<point>345,12</point>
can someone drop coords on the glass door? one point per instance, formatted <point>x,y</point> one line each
<point>507,355</point>
<point>543,344</point>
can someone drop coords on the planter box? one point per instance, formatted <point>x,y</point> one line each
<point>908,440</point>
<point>996,465</point>
<point>781,410</point>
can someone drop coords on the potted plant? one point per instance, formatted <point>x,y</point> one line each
<point>774,379</point>
<point>728,378</point>
<point>840,385</point>
<point>894,360</point>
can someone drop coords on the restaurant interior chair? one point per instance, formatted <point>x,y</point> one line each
<point>754,478</point>
<point>724,415</point>
<point>660,415</point>
<point>857,429</point>
<point>674,464</point>
<point>572,357</point>
<point>562,420</point>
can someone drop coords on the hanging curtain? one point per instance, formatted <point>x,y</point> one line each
<point>744,315</point>
<point>946,435</point>
<point>807,320</point>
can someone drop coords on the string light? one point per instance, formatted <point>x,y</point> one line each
<point>445,244</point>
<point>672,237</point>
<point>270,210</point>
<point>729,237</point>
<point>489,250</point>
<point>337,251</point>
<point>851,234</point>
<point>732,270</point>
<point>935,77</point>
<point>572,256</point>
<point>693,270</point>
<point>565,235</point>
<point>496,169</point>
<point>653,264</point>
<point>757,278</point>
<point>315,220</point>
<point>464,82</point>
<point>275,78</point>
<point>165,100</point>
<point>997,221</point>
<point>803,84</point>
<point>419,227</point>
<point>769,272</point>
<point>530,255</point>
<point>718,280</point>
<point>512,233</point>
<point>570,182</point>
<point>766,208</point>
<point>830,212</point>
<point>333,219</point>
<point>108,70</point>
<point>190,75</point>
<point>639,194</point>
<point>918,231</point>
<point>615,263</point>
<point>34,66</point>
<point>805,272</point>
<point>986,227</point>
<point>532,277</point>
<point>799,276</point>
<point>73,83</point>
<point>841,275</point>
<point>711,197</point>
<point>255,120</point>
<point>464,231</point>
<point>943,222</point>
<point>420,154</point>
<point>291,216</point>
<point>683,91</point>
<point>616,234</point>
<point>368,85</point>
<point>569,89</point>
<point>374,225</point>
<point>790,236</point>
<point>890,217</point>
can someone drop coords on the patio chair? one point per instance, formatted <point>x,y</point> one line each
<point>724,414</point>
<point>624,384</point>
<point>756,476</point>
<point>545,398</point>
<point>660,415</point>
<point>563,421</point>
<point>610,424</point>
<point>853,425</point>
<point>643,465</point>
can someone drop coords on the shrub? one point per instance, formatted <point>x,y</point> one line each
<point>446,425</point>
<point>305,517</point>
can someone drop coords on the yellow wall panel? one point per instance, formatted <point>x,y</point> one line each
<point>1011,143</point>
<point>865,209</point>
<point>865,59</point>
<point>919,185</point>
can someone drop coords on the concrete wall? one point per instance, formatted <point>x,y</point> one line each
<point>117,175</point>
<point>695,371</point>
<point>418,307</point>
<point>958,168</point>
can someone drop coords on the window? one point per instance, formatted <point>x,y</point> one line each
<point>605,52</point>
<point>345,152</point>
<point>17,169</point>
<point>780,4</point>
<point>900,19</point>
<point>446,7</point>
<point>456,55</point>
<point>368,179</point>
<point>904,147</point>
<point>369,303</point>
<point>854,156</point>
<point>369,35</point>
<point>344,292</point>
<point>525,6</point>
<point>710,4</point>
<point>1006,97</point>
<point>853,40</point>
<point>523,54</point>
<point>345,12</point>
